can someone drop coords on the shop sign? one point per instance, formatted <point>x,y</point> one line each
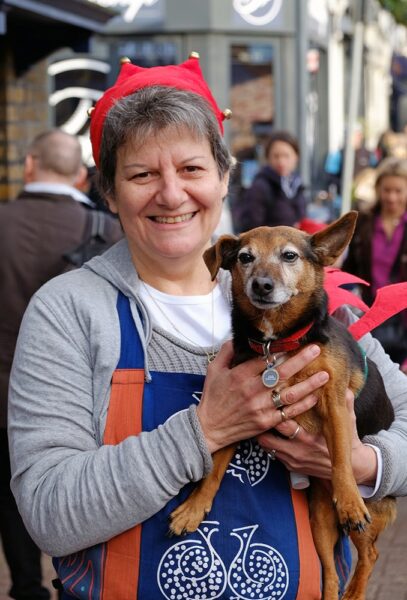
<point>258,12</point>
<point>130,8</point>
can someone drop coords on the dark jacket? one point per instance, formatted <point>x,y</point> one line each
<point>35,231</point>
<point>359,257</point>
<point>266,203</point>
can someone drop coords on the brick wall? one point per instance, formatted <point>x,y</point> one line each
<point>250,102</point>
<point>23,114</point>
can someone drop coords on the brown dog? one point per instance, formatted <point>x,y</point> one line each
<point>278,295</point>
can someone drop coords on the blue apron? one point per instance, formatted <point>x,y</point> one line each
<point>256,542</point>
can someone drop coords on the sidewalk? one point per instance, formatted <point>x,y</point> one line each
<point>388,582</point>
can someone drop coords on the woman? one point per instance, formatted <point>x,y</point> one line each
<point>378,250</point>
<point>276,196</point>
<point>118,404</point>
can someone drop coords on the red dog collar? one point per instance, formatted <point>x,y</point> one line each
<point>291,342</point>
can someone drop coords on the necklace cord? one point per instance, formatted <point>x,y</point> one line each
<point>209,355</point>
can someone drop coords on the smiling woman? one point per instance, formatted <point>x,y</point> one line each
<point>168,195</point>
<point>114,410</point>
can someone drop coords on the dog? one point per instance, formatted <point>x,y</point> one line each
<point>278,295</point>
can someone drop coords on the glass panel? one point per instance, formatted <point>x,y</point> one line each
<point>252,103</point>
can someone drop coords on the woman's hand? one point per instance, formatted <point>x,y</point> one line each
<point>236,405</point>
<point>308,453</point>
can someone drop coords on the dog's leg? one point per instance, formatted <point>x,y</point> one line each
<point>324,525</point>
<point>383,513</point>
<point>189,515</point>
<point>352,511</point>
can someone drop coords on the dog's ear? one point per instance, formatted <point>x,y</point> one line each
<point>222,254</point>
<point>329,243</point>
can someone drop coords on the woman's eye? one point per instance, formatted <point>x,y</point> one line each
<point>245,258</point>
<point>289,256</point>
<point>191,169</point>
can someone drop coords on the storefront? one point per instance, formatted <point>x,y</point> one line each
<point>249,56</point>
<point>30,31</point>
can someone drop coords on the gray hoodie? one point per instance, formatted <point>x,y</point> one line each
<point>72,491</point>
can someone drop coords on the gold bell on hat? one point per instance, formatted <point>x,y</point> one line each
<point>90,110</point>
<point>124,60</point>
<point>194,54</point>
<point>227,113</point>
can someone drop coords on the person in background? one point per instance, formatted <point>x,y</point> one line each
<point>363,159</point>
<point>122,385</point>
<point>276,196</point>
<point>47,219</point>
<point>378,250</point>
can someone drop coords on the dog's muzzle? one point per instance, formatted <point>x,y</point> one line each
<point>262,288</point>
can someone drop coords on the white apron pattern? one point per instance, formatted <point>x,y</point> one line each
<point>192,568</point>
<point>258,571</point>
<point>250,464</point>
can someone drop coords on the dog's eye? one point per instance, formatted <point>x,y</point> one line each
<point>289,256</point>
<point>245,258</point>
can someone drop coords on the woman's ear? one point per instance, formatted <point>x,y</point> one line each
<point>112,204</point>
<point>225,184</point>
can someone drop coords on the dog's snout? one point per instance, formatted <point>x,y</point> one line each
<point>262,286</point>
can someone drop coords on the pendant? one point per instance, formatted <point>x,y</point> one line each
<point>211,357</point>
<point>270,376</point>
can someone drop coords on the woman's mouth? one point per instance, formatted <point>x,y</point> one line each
<point>172,220</point>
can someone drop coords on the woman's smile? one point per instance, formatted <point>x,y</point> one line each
<point>171,220</point>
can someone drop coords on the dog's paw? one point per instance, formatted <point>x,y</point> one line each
<point>352,513</point>
<point>187,517</point>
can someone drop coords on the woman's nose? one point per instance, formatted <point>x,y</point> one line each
<point>171,192</point>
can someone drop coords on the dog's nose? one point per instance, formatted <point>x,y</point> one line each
<point>262,286</point>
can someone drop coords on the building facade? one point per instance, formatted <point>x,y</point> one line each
<point>285,64</point>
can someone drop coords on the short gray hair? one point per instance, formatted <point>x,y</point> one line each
<point>149,111</point>
<point>58,152</point>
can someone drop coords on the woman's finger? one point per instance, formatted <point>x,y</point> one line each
<point>293,393</point>
<point>296,363</point>
<point>290,411</point>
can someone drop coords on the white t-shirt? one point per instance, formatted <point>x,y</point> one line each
<point>200,320</point>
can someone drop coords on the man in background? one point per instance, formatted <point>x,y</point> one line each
<point>49,219</point>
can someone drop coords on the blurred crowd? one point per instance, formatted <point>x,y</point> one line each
<point>378,251</point>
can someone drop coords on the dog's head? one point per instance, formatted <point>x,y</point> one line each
<point>273,267</point>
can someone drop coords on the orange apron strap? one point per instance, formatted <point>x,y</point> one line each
<point>309,585</point>
<point>124,418</point>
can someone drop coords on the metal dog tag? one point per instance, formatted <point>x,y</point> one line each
<point>270,376</point>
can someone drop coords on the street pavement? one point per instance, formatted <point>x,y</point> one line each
<point>388,582</point>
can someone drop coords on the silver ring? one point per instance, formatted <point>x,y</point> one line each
<point>296,432</point>
<point>272,455</point>
<point>276,398</point>
<point>283,415</point>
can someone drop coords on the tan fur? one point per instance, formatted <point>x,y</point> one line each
<point>293,284</point>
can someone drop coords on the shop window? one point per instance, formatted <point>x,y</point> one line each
<point>252,104</point>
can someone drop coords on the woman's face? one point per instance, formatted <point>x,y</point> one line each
<point>282,158</point>
<point>168,196</point>
<point>392,193</point>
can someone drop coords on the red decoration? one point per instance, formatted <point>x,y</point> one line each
<point>389,300</point>
<point>187,76</point>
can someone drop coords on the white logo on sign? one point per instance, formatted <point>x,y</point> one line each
<point>258,12</point>
<point>132,6</point>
